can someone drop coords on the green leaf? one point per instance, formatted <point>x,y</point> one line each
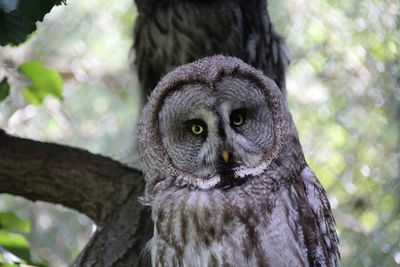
<point>7,259</point>
<point>18,18</point>
<point>10,222</point>
<point>45,81</point>
<point>4,89</point>
<point>16,244</point>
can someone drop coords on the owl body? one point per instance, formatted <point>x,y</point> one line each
<point>170,33</point>
<point>225,173</point>
<point>230,228</point>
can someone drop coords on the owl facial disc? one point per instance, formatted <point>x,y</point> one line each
<point>213,123</point>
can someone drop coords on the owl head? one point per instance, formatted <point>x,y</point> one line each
<point>214,123</point>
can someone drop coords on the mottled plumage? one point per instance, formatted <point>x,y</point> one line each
<point>169,33</point>
<point>225,174</point>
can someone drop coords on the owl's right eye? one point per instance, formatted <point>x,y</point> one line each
<point>197,127</point>
<point>238,117</point>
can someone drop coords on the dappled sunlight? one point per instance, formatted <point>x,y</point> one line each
<point>343,89</point>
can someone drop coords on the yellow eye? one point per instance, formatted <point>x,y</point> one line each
<point>197,129</point>
<point>238,119</point>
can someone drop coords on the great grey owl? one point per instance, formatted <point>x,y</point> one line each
<point>169,33</point>
<point>225,174</point>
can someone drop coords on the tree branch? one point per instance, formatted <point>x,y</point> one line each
<point>91,184</point>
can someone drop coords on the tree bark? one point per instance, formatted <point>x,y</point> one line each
<point>99,187</point>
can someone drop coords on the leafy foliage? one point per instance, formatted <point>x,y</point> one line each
<point>18,18</point>
<point>14,248</point>
<point>45,81</point>
<point>4,89</point>
<point>10,222</point>
<point>345,98</point>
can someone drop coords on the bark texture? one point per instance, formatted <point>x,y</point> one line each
<point>99,187</point>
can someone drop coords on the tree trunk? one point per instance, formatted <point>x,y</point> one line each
<point>99,187</point>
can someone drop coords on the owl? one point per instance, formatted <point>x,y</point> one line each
<point>226,177</point>
<point>172,33</point>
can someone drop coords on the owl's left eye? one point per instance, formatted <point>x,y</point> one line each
<point>197,127</point>
<point>238,117</point>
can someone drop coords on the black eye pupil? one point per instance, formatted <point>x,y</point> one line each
<point>238,119</point>
<point>196,128</point>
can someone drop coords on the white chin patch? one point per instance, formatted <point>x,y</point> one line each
<point>242,172</point>
<point>198,183</point>
<point>191,181</point>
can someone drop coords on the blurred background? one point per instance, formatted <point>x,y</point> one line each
<point>343,91</point>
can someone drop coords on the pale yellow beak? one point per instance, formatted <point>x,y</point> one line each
<point>225,155</point>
